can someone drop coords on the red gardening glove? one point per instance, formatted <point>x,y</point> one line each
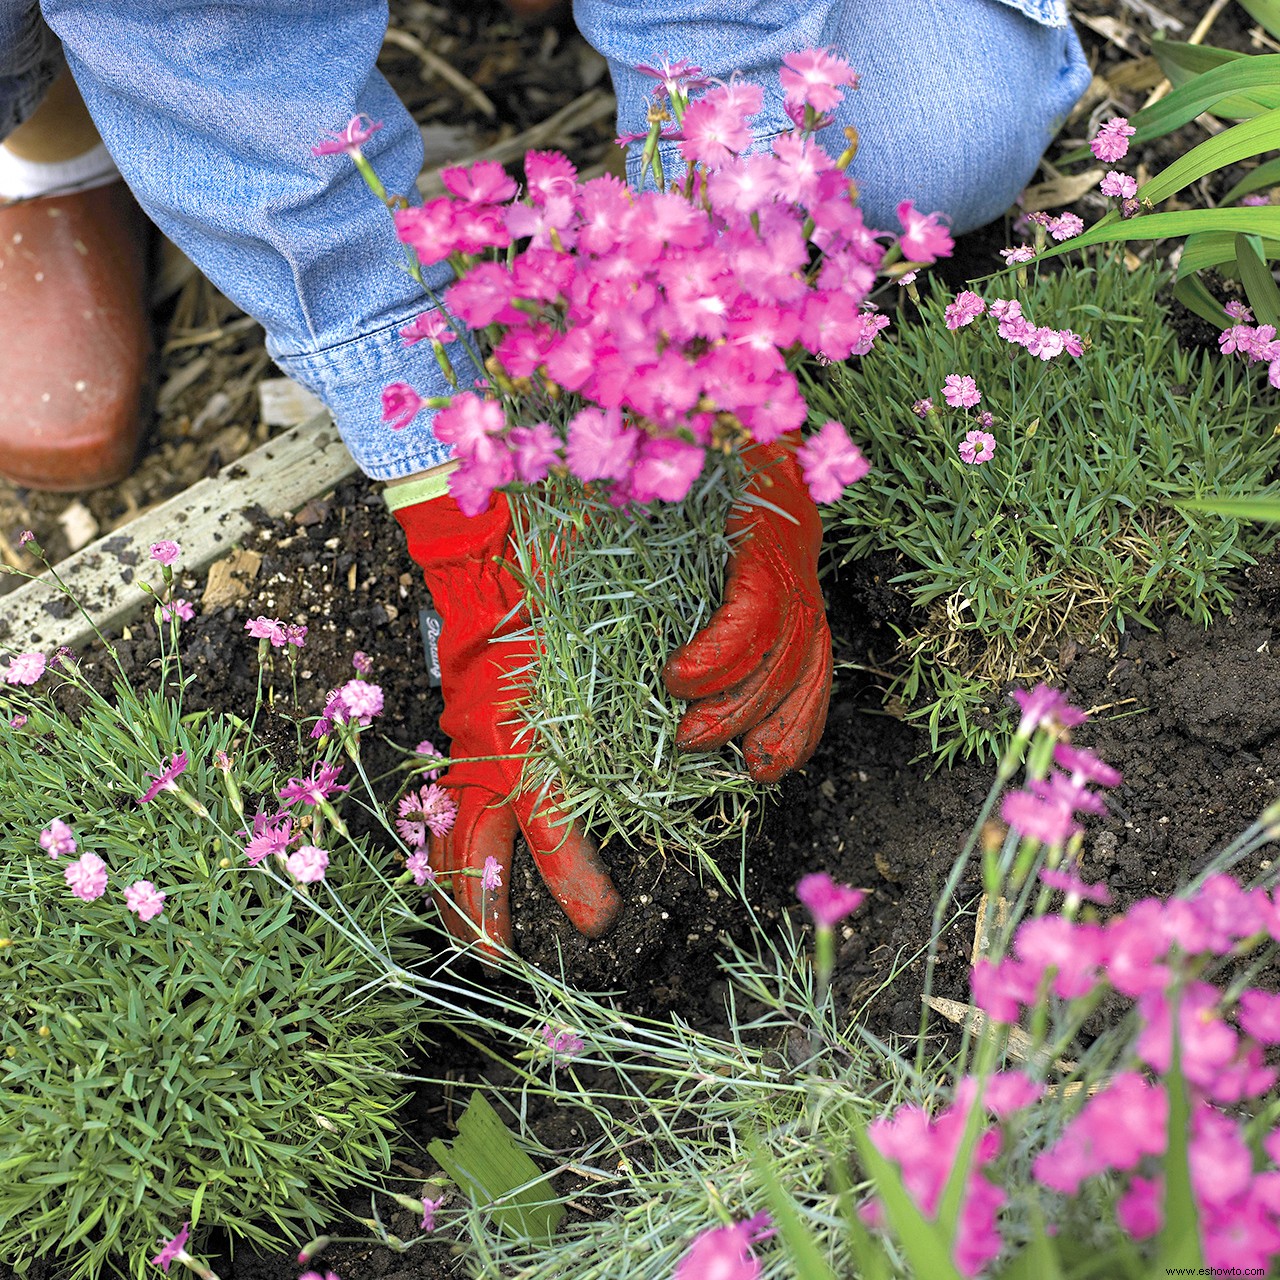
<point>479,601</point>
<point>762,665</point>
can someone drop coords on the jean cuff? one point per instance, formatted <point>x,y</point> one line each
<point>349,378</point>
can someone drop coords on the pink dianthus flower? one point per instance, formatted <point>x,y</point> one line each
<point>144,899</point>
<point>87,876</point>
<point>485,182</point>
<point>264,628</point>
<point>56,839</point>
<point>179,608</point>
<point>960,391</point>
<point>430,808</point>
<point>724,1253</point>
<point>430,326</point>
<point>307,864</point>
<point>978,447</point>
<point>1045,704</point>
<point>715,126</point>
<point>166,551</point>
<point>1259,1015</point>
<point>1019,253</point>
<point>25,668</point>
<point>1074,887</point>
<point>966,308</point>
<point>1115,1129</point>
<point>429,749</point>
<point>362,700</point>
<point>1119,185</point>
<point>816,78</point>
<point>1084,766</point>
<point>600,446</point>
<point>1035,818</point>
<point>400,405</point>
<point>1112,141</point>
<point>322,784</point>
<point>163,779</point>
<point>924,238</point>
<point>828,901</point>
<point>269,836</point>
<point>830,462</point>
<point>418,865</point>
<point>358,131</point>
<point>1066,226</point>
<point>172,1250</point>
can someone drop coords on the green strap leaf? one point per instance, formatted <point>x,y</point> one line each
<point>1241,141</point>
<point>1266,509</point>
<point>1181,222</point>
<point>1267,174</point>
<point>1179,1243</point>
<point>485,1161</point>
<point>869,1254</point>
<point>1213,89</point>
<point>1181,62</point>
<point>1265,12</point>
<point>1195,297</point>
<point>1217,249</point>
<point>1038,1259</point>
<point>807,1262</point>
<point>1259,286</point>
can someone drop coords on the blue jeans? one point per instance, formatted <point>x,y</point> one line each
<point>210,112</point>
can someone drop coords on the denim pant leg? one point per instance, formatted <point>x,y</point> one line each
<point>30,59</point>
<point>210,112</point>
<point>958,100</point>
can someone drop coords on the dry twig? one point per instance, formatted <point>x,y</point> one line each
<point>434,65</point>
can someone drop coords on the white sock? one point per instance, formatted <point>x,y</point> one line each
<point>24,179</point>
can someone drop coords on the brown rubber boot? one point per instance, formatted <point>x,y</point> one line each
<point>75,338</point>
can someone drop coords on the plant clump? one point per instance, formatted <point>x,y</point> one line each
<point>185,1035</point>
<point>631,585</point>
<point>1029,478</point>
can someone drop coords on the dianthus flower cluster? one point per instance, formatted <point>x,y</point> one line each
<point>277,632</point>
<point>1255,343</point>
<point>925,1149</point>
<point>670,315</point>
<point>1112,140</point>
<point>1066,226</point>
<point>429,809</point>
<point>1013,327</point>
<point>1154,954</point>
<point>357,701</point>
<point>1046,809</point>
<point>1123,1129</point>
<point>273,836</point>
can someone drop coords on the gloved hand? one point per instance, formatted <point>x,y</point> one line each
<point>480,601</point>
<point>762,664</point>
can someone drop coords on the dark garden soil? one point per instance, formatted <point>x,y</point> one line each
<point>1191,717</point>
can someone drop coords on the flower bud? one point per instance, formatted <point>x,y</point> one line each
<point>313,1249</point>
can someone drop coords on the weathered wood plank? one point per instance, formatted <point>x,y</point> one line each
<point>207,519</point>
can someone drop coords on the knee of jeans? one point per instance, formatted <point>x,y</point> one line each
<point>969,152</point>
